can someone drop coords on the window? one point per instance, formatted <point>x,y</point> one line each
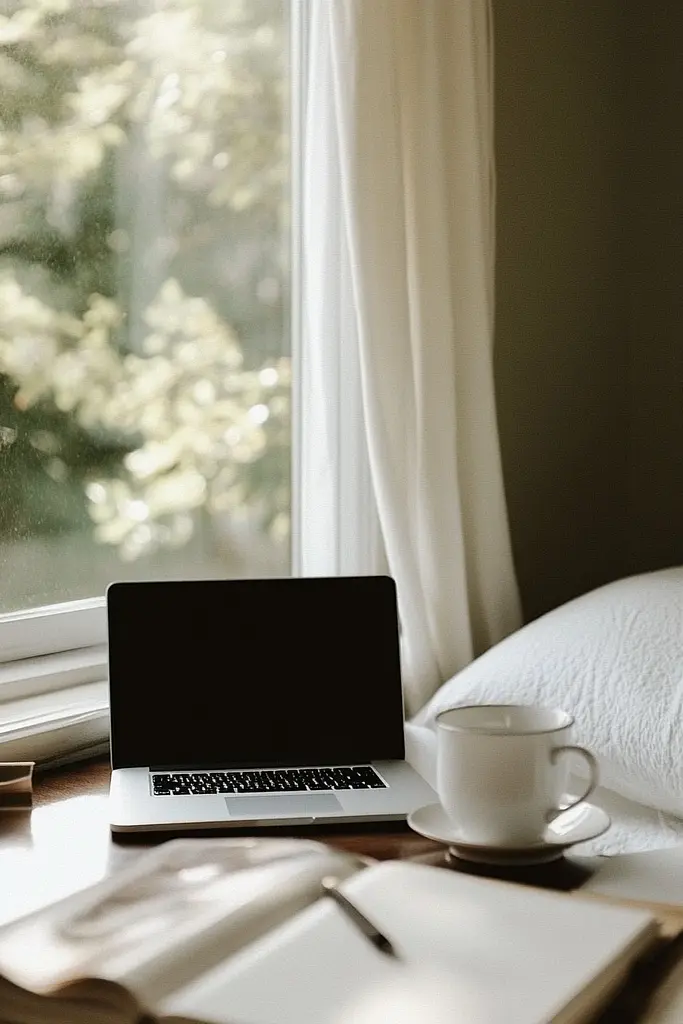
<point>144,292</point>
<point>145,303</point>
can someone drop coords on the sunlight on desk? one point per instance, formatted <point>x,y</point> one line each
<point>41,860</point>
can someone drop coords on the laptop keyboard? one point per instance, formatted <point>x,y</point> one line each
<point>276,780</point>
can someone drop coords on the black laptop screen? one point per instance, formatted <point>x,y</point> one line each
<point>254,672</point>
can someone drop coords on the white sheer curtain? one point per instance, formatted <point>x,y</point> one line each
<point>398,201</point>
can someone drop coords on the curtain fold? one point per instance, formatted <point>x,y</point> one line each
<point>399,188</point>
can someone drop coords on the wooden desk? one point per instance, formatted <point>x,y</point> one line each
<point>64,844</point>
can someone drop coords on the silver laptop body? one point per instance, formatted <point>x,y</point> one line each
<point>244,703</point>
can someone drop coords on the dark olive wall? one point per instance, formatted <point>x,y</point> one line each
<point>589,342</point>
<point>655,287</point>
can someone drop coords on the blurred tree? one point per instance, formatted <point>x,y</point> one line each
<point>143,272</point>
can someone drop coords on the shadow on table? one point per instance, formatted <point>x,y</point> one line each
<point>562,874</point>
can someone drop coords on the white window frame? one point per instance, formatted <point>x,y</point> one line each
<point>51,629</point>
<point>335,527</point>
<point>53,691</point>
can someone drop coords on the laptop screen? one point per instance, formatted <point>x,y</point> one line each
<point>254,673</point>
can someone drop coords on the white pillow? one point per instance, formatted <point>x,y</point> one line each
<point>613,658</point>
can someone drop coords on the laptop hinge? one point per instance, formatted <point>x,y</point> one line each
<point>252,768</point>
<point>193,768</point>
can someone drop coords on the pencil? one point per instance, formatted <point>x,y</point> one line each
<point>372,933</point>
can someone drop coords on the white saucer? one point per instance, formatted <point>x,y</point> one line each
<point>577,825</point>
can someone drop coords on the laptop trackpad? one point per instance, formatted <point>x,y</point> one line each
<point>284,805</point>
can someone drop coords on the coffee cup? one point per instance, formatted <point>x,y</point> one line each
<point>503,770</point>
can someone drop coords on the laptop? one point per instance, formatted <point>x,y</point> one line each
<point>256,702</point>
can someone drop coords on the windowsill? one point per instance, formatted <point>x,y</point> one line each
<point>55,726</point>
<point>50,673</point>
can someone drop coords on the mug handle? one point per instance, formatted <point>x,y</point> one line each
<point>592,776</point>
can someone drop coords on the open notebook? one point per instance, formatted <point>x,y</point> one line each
<point>238,932</point>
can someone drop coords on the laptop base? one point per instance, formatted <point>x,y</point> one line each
<point>133,808</point>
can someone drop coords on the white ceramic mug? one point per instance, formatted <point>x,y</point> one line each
<point>502,771</point>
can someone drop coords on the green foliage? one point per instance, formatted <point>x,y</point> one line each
<point>143,289</point>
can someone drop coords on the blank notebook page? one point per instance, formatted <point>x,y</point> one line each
<point>507,954</point>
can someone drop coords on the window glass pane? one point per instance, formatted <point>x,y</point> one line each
<point>144,293</point>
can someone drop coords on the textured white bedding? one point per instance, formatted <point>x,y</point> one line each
<point>613,658</point>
